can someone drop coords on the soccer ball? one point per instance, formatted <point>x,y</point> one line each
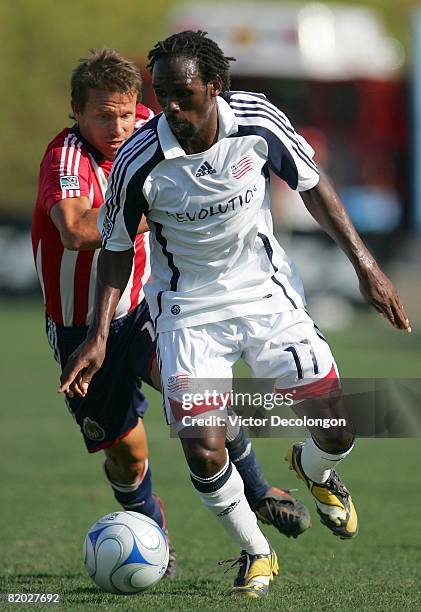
<point>125,552</point>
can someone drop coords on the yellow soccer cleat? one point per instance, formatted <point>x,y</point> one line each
<point>333,500</point>
<point>255,574</point>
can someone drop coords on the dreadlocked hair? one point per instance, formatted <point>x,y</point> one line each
<point>211,61</point>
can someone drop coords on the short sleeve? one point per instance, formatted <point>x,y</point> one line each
<point>65,173</point>
<point>289,155</point>
<point>298,156</point>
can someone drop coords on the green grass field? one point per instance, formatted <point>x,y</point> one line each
<point>52,491</point>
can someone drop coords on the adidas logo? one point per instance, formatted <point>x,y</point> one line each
<point>229,508</point>
<point>205,169</point>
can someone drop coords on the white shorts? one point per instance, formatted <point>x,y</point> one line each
<point>286,347</point>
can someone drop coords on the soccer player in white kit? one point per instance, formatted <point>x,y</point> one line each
<point>222,287</point>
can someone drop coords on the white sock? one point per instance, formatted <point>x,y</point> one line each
<point>224,495</point>
<point>318,463</point>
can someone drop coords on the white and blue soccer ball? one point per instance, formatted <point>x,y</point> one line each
<point>125,552</point>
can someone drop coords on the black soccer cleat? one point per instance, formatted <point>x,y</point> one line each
<point>288,515</point>
<point>172,567</point>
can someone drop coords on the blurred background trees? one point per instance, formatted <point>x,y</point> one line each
<point>41,42</point>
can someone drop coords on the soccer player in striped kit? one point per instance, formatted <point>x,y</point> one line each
<point>72,185</point>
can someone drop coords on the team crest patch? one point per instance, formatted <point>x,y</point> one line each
<point>244,165</point>
<point>69,182</point>
<point>92,430</point>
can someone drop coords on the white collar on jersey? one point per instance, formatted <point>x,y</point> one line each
<point>169,143</point>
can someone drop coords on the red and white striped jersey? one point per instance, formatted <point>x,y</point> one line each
<point>72,168</point>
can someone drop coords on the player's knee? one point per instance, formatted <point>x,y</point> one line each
<point>125,469</point>
<point>206,462</point>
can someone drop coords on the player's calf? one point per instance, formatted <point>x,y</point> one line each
<point>223,491</point>
<point>205,454</point>
<point>272,506</point>
<point>334,440</point>
<point>138,497</point>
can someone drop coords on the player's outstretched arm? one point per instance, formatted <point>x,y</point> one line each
<point>326,207</point>
<point>113,274</point>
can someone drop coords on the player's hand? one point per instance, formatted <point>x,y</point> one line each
<point>81,367</point>
<point>143,225</point>
<point>381,293</point>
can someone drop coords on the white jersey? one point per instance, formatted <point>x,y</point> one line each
<point>214,255</point>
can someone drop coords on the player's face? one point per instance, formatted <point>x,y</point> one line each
<point>107,120</point>
<point>188,103</point>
